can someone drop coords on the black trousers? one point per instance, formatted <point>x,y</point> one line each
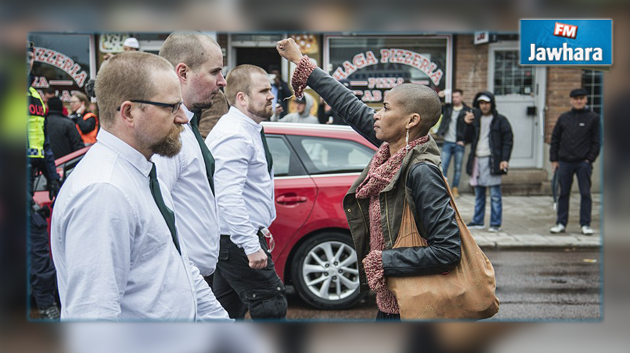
<point>381,316</point>
<point>583,170</point>
<point>42,270</point>
<point>240,288</point>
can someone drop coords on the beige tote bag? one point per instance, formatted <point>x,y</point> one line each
<point>466,292</point>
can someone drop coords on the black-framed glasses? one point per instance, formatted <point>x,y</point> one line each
<point>174,106</point>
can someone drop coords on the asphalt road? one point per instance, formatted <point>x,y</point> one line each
<point>560,284</point>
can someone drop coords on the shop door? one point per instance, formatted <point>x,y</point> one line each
<point>519,92</point>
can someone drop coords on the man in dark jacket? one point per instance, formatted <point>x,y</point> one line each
<point>491,136</point>
<point>575,143</point>
<point>452,130</point>
<point>280,90</point>
<point>63,134</point>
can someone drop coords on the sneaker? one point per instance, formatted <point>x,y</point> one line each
<point>494,229</point>
<point>50,313</point>
<point>587,230</point>
<point>472,225</point>
<point>558,228</point>
<point>455,192</point>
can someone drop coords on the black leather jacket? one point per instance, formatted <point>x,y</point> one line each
<point>419,181</point>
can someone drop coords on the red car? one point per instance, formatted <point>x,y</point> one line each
<point>314,166</point>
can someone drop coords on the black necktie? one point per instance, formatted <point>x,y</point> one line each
<point>166,212</point>
<point>207,155</point>
<point>267,152</point>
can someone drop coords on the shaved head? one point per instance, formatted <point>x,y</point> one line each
<point>420,99</point>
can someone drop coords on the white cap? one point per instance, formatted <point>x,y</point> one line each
<point>131,42</point>
<point>484,98</point>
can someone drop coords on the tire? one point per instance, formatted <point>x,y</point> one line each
<point>325,272</point>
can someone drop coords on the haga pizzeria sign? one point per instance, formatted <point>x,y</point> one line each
<point>63,62</point>
<point>394,56</point>
<point>370,66</point>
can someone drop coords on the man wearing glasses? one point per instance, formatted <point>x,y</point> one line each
<point>198,61</point>
<point>114,236</point>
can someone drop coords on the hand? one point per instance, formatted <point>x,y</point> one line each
<point>441,94</point>
<point>53,189</point>
<point>503,165</point>
<point>461,143</point>
<point>288,49</point>
<point>258,260</point>
<point>469,117</point>
<point>554,166</point>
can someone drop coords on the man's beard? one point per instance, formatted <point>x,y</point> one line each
<point>171,145</point>
<point>263,113</point>
<point>198,107</point>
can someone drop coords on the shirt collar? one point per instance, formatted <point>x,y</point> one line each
<point>189,114</point>
<point>237,113</point>
<point>125,151</point>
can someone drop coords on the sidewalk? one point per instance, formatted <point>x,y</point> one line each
<point>526,223</point>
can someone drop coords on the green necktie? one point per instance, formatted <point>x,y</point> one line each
<point>267,152</point>
<point>208,159</point>
<point>166,212</point>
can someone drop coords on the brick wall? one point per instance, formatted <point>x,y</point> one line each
<point>470,66</point>
<point>560,82</point>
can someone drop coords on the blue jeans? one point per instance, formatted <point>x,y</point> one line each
<point>450,149</point>
<point>495,205</point>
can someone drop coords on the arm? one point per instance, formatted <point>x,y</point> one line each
<point>86,125</point>
<point>437,218</point>
<point>232,156</point>
<point>507,138</point>
<point>343,102</point>
<point>556,136</point>
<point>208,307</point>
<point>50,171</point>
<point>76,143</point>
<point>97,251</point>
<point>595,140</point>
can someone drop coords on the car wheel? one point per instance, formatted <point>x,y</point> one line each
<point>325,271</point>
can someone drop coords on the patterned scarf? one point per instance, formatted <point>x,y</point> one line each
<point>382,169</point>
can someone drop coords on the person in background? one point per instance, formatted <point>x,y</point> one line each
<point>281,92</point>
<point>50,93</point>
<point>302,114</point>
<point>131,44</point>
<point>86,121</point>
<point>575,144</point>
<point>452,128</point>
<point>63,134</point>
<point>210,116</point>
<point>41,160</point>
<point>491,136</point>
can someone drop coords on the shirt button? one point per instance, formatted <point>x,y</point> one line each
<point>349,210</point>
<point>253,295</point>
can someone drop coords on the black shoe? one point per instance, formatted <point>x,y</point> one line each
<point>50,313</point>
<point>472,225</point>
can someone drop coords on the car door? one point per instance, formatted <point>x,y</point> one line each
<point>295,194</point>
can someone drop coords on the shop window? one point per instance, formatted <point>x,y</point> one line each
<point>510,77</point>
<point>592,82</point>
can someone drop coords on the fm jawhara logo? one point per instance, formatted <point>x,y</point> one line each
<point>566,42</point>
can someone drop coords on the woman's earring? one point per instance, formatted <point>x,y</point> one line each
<point>407,141</point>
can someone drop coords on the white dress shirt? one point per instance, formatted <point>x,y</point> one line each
<point>195,206</point>
<point>245,193</point>
<point>113,250</point>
